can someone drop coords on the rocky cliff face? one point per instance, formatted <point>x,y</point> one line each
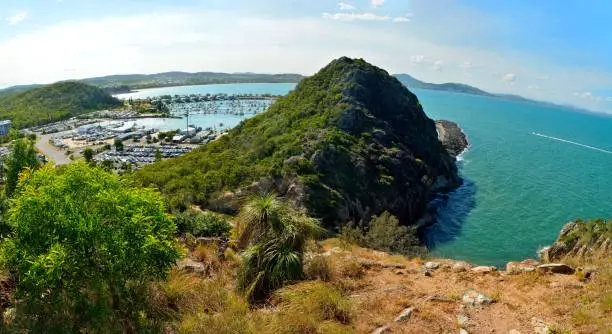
<point>581,240</point>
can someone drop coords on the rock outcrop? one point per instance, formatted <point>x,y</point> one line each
<point>580,240</point>
<point>452,137</point>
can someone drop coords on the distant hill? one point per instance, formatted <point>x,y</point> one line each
<point>54,102</point>
<point>349,142</point>
<point>411,82</point>
<point>139,81</point>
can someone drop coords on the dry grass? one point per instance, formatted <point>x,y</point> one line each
<point>311,307</point>
<point>319,268</point>
<point>351,268</point>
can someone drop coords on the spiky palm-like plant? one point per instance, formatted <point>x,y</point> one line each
<point>276,235</point>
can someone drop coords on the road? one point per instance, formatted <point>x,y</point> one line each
<point>56,156</point>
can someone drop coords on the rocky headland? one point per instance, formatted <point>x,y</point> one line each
<point>348,143</point>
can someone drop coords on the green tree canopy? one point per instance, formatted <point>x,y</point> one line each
<point>88,154</point>
<point>22,156</point>
<point>85,244</point>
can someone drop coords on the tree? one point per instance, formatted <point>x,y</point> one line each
<point>276,234</point>
<point>22,156</point>
<point>88,154</point>
<point>84,248</point>
<point>158,155</point>
<point>118,145</point>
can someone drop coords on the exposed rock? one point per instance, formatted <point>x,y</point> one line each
<point>463,331</point>
<point>406,313</point>
<point>483,269</point>
<point>192,266</point>
<point>461,266</point>
<point>539,326</point>
<point>382,329</point>
<point>425,272</point>
<point>451,136</point>
<point>463,320</point>
<point>526,266</point>
<point>432,265</point>
<point>475,298</point>
<point>556,268</point>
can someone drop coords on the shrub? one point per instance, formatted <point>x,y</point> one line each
<point>84,247</point>
<point>352,269</point>
<point>319,267</point>
<point>201,224</point>
<point>386,234</point>
<point>276,236</point>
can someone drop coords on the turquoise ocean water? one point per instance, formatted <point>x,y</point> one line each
<point>519,188</point>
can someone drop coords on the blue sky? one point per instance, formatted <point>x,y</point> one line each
<point>554,50</point>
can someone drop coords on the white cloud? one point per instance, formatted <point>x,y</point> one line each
<point>401,19</point>
<point>437,66</point>
<point>17,18</point>
<point>347,17</point>
<point>377,3</point>
<point>346,6</point>
<point>417,59</point>
<point>534,87</point>
<point>466,65</point>
<point>510,77</point>
<point>207,40</point>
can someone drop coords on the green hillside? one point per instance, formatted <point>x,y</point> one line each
<point>53,102</point>
<point>348,142</point>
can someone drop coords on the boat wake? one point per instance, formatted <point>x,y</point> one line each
<point>571,142</point>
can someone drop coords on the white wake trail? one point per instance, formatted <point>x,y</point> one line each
<point>571,142</point>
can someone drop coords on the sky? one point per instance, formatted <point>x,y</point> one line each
<point>552,50</point>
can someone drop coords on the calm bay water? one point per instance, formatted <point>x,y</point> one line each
<point>520,188</point>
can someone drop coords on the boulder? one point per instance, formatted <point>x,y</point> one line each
<point>432,265</point>
<point>555,268</point>
<point>483,269</point>
<point>475,299</point>
<point>526,266</point>
<point>405,315</point>
<point>463,331</point>
<point>460,267</point>
<point>193,267</point>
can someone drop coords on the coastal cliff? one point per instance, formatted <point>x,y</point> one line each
<point>348,143</point>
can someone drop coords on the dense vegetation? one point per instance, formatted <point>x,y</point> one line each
<point>347,143</point>
<point>53,102</point>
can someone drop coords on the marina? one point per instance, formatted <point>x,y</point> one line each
<point>186,121</point>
